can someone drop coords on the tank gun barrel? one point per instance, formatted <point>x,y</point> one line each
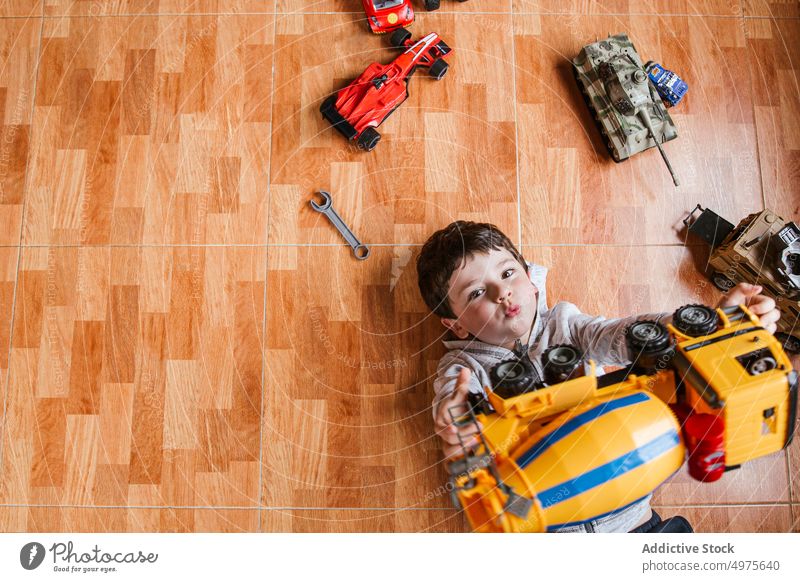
<point>645,117</point>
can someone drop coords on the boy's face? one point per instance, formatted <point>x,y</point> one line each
<point>493,299</point>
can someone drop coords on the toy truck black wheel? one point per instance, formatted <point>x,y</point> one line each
<point>560,362</point>
<point>368,139</point>
<point>695,320</point>
<point>399,37</point>
<point>722,282</point>
<point>650,347</point>
<point>790,343</point>
<point>514,377</point>
<point>432,4</point>
<point>438,69</point>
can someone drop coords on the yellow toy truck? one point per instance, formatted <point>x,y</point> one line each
<point>577,446</point>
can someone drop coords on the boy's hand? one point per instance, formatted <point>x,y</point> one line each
<point>444,422</point>
<point>761,305</point>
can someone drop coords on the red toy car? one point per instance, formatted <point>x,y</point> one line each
<point>388,15</point>
<point>364,104</point>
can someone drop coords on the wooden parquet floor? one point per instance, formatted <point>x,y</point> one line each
<point>186,346</point>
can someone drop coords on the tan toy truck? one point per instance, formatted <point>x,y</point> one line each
<point>763,249</point>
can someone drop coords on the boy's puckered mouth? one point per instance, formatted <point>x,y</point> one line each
<point>513,311</point>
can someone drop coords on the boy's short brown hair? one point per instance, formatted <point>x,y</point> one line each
<point>446,249</point>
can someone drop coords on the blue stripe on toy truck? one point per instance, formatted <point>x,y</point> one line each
<point>574,424</point>
<point>611,470</point>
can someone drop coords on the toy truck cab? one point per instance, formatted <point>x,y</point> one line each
<point>741,375</point>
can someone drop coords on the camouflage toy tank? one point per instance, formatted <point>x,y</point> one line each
<point>625,103</point>
<point>763,249</point>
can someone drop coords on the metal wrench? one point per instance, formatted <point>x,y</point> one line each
<point>360,251</point>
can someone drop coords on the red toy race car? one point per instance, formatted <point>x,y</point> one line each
<point>364,104</point>
<point>388,15</point>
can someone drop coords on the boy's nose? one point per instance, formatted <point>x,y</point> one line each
<point>503,294</point>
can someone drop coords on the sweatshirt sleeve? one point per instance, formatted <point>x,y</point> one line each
<point>447,372</point>
<point>603,340</point>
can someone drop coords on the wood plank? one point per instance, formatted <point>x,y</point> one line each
<point>771,8</point>
<point>129,412</point>
<point>362,521</point>
<point>29,8</point>
<point>617,281</point>
<point>99,8</point>
<point>157,126</point>
<point>347,404</point>
<point>624,7</point>
<point>8,279</point>
<point>126,520</point>
<point>17,80</point>
<point>773,61</point>
<point>734,519</point>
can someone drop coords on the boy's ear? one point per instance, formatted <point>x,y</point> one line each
<point>455,327</point>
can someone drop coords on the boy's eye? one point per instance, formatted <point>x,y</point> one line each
<point>475,294</point>
<point>507,273</point>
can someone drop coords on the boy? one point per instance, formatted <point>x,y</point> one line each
<point>473,277</point>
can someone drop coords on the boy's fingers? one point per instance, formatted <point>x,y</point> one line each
<point>448,409</point>
<point>740,293</point>
<point>453,451</point>
<point>455,405</point>
<point>455,435</point>
<point>469,429</point>
<point>770,320</point>
<point>458,398</point>
<point>452,438</point>
<point>462,386</point>
<point>770,317</point>
<point>444,425</point>
<point>442,418</point>
<point>449,451</point>
<point>450,434</point>
<point>762,305</point>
